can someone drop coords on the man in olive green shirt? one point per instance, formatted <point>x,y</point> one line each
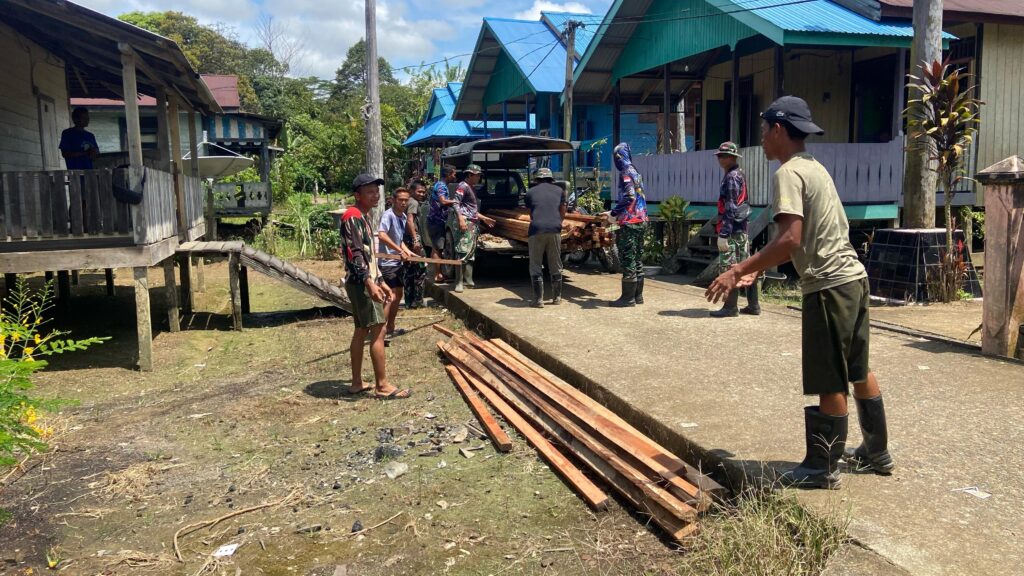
<point>815,234</point>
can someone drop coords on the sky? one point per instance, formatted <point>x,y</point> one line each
<point>408,31</point>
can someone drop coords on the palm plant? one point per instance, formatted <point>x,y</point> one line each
<point>942,117</point>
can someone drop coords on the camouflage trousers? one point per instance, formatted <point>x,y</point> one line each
<point>739,250</point>
<point>415,281</point>
<point>630,241</point>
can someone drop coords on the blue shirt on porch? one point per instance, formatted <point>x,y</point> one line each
<point>78,140</point>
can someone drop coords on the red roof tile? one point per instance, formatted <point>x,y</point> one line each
<point>223,86</point>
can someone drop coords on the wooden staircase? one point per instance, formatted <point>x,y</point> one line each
<point>242,257</point>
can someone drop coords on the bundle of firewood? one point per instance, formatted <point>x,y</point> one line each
<point>560,420</point>
<point>579,232</point>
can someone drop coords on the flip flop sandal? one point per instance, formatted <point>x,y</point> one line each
<point>396,394</point>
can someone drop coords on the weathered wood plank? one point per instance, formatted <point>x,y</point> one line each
<point>3,207</point>
<point>494,431</point>
<point>29,196</point>
<point>75,202</point>
<point>171,293</point>
<point>59,202</point>
<point>45,208</point>
<point>108,215</point>
<point>234,284</point>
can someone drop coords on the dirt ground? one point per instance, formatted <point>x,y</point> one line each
<point>230,420</point>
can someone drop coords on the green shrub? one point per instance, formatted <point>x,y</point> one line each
<point>23,345</point>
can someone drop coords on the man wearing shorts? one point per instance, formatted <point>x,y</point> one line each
<point>366,293</point>
<point>437,218</point>
<point>391,232</point>
<point>814,233</point>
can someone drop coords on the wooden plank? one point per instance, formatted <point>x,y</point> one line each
<point>583,486</point>
<point>75,201</point>
<point>94,186</point>
<point>185,279</point>
<point>652,448</point>
<point>59,202</point>
<point>45,188</point>
<point>497,377</point>
<point>108,215</point>
<point>3,207</point>
<point>243,286</point>
<point>384,256</point>
<point>13,208</point>
<point>109,277</point>
<point>236,297</point>
<point>28,194</point>
<point>494,431</point>
<point>593,417</point>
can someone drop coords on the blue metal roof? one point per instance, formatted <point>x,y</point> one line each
<point>535,49</point>
<point>439,125</point>
<point>812,16</point>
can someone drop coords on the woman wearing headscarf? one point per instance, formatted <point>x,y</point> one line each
<point>630,213</point>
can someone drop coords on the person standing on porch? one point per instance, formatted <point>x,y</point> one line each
<point>367,293</point>
<point>464,221</point>
<point>437,218</point>
<point>547,204</point>
<point>815,234</point>
<point>733,214</point>
<point>77,145</point>
<point>630,213</point>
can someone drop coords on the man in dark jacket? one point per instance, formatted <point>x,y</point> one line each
<point>733,243</point>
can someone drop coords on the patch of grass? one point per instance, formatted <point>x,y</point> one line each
<point>784,294</point>
<point>766,533</point>
<point>5,517</point>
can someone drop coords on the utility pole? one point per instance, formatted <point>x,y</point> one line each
<point>919,177</point>
<point>371,111</point>
<point>569,34</point>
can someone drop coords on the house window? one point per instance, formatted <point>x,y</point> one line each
<point>147,130</point>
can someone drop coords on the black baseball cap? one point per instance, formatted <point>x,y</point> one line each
<point>795,111</point>
<point>364,179</point>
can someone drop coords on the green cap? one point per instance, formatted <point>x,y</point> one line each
<point>474,169</point>
<point>543,173</point>
<point>728,149</point>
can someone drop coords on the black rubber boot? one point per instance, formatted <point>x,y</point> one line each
<point>729,307</point>
<point>826,438</point>
<point>628,298</point>
<point>753,306</point>
<point>556,290</point>
<point>639,298</point>
<point>873,454</point>
<point>538,292</point>
<point>467,273</point>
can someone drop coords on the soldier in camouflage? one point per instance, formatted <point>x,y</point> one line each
<point>630,213</point>
<point>733,214</point>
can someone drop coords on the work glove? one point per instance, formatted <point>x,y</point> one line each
<point>723,244</point>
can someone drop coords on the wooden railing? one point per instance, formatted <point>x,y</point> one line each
<point>195,199</point>
<point>79,205</point>
<point>863,173</point>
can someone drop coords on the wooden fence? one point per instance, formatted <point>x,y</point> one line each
<point>195,199</point>
<point>158,209</point>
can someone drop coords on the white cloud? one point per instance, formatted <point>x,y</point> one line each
<point>533,13</point>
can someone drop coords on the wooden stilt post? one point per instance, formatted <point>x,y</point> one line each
<point>143,323</point>
<point>171,290</point>
<point>234,284</point>
<point>109,273</point>
<point>185,273</point>
<point>10,281</point>
<point>63,290</point>
<point>243,285</point>
<point>48,275</point>
<point>74,277</point>
<point>201,275</point>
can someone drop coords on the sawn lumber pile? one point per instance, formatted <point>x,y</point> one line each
<point>572,432</point>
<point>579,232</point>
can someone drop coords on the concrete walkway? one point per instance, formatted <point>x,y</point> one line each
<point>727,392</point>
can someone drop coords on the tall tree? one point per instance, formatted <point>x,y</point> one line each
<point>350,78</point>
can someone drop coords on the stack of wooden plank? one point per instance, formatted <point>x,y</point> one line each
<point>579,232</point>
<point>560,420</point>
